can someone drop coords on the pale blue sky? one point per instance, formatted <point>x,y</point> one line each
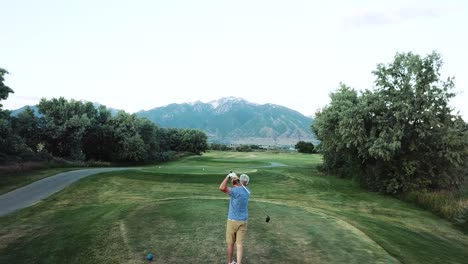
<point>136,55</point>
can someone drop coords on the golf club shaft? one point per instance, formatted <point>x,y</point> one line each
<point>255,201</point>
<point>261,208</point>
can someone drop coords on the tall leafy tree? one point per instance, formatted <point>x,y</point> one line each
<point>12,146</point>
<point>187,140</point>
<point>129,145</point>
<point>27,126</point>
<point>99,140</point>
<point>194,141</point>
<point>65,126</point>
<point>151,137</point>
<point>174,139</point>
<point>400,136</point>
<point>4,90</point>
<point>339,150</point>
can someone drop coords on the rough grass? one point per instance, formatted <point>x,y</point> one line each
<point>452,205</point>
<point>176,211</point>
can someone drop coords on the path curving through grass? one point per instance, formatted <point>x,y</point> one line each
<point>176,212</point>
<point>38,190</point>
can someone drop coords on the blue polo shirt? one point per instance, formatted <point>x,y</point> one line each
<point>238,204</point>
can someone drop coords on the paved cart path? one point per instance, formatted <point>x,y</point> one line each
<point>36,191</point>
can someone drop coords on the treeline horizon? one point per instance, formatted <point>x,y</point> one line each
<point>78,131</point>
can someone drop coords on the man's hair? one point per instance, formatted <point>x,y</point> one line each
<point>244,178</point>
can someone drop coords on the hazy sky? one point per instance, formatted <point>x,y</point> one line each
<point>136,55</point>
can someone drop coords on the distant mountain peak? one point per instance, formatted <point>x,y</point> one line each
<point>236,120</point>
<point>195,103</point>
<point>224,100</point>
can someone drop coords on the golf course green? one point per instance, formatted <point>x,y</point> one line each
<point>176,212</point>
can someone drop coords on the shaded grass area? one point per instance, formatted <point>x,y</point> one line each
<point>179,214</point>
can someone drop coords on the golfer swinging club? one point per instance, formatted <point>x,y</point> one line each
<point>238,213</point>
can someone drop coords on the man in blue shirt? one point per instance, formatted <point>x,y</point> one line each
<point>238,213</point>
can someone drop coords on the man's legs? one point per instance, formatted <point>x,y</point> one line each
<point>240,234</point>
<point>240,250</point>
<point>235,232</point>
<point>230,238</point>
<point>230,249</point>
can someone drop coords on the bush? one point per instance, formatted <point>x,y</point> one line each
<point>217,146</point>
<point>447,204</point>
<point>243,148</point>
<point>305,147</point>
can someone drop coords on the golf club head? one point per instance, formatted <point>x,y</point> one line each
<point>267,219</point>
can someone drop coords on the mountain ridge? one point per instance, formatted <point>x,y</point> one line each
<point>234,120</point>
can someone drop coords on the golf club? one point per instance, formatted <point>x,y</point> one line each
<point>267,216</point>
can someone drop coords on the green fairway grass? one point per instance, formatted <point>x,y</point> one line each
<point>176,211</point>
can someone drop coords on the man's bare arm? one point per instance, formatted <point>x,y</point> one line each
<point>223,187</point>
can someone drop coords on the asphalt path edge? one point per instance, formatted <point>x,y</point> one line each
<point>36,191</point>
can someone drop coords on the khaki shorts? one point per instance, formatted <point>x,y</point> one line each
<point>235,231</point>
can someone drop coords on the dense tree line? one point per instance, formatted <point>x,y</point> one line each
<point>400,136</point>
<point>248,148</point>
<point>240,148</point>
<point>218,146</point>
<point>79,131</point>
